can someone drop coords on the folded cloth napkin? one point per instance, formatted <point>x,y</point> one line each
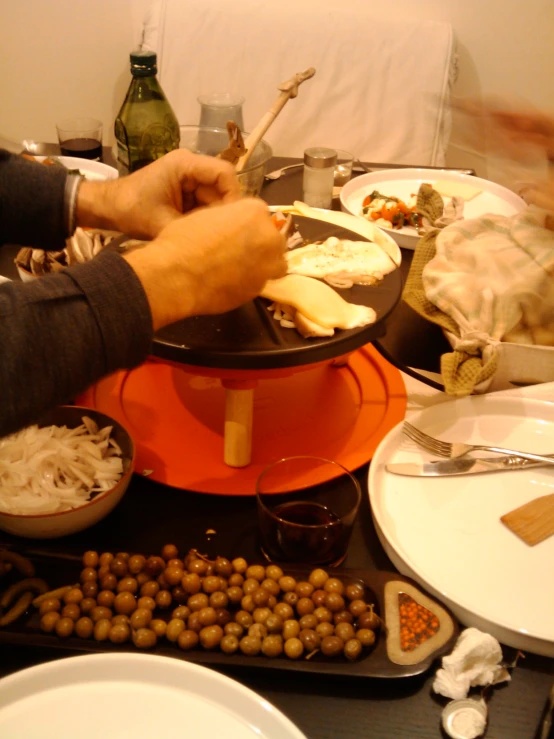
<point>433,211</point>
<point>485,281</point>
<point>475,660</point>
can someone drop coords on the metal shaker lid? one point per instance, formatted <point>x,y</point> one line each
<point>320,157</point>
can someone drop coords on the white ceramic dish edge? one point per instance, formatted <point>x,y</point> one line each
<point>215,691</point>
<point>89,168</point>
<point>519,639</point>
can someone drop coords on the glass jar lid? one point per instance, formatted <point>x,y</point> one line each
<point>320,157</point>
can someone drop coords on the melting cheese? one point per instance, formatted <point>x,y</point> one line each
<point>318,302</point>
<point>364,261</point>
<point>456,189</point>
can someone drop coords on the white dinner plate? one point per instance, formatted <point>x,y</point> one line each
<point>119,696</point>
<point>90,169</point>
<point>446,532</point>
<point>402,183</point>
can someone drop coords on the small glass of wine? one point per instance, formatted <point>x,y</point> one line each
<point>80,137</point>
<point>306,509</point>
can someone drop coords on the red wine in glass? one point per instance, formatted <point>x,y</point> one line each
<point>83,148</point>
<point>304,532</point>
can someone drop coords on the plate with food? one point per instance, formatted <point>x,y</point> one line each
<point>90,169</point>
<point>343,277</point>
<point>387,198</point>
<point>222,612</point>
<point>447,532</point>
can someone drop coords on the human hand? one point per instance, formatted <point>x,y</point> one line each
<point>501,127</point>
<point>210,261</point>
<point>143,203</point>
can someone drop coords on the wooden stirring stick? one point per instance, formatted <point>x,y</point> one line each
<point>239,399</point>
<point>289,89</point>
<point>534,521</point>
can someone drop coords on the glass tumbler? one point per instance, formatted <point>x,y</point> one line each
<point>343,167</point>
<point>219,107</point>
<point>306,510</point>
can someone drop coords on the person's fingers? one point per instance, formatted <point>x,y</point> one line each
<point>207,177</point>
<point>541,195</point>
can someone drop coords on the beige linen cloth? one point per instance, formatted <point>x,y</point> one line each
<point>485,281</point>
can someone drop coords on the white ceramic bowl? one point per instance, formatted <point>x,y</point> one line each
<point>52,525</point>
<point>402,183</point>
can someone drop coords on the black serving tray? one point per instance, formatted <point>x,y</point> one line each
<point>59,569</point>
<point>248,338</point>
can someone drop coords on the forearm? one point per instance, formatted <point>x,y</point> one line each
<point>63,332</point>
<point>32,211</point>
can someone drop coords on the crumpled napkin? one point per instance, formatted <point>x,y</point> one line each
<point>475,660</point>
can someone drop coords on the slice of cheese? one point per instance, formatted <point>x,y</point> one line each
<point>318,302</point>
<point>456,189</point>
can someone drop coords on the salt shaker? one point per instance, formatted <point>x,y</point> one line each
<point>319,173</point>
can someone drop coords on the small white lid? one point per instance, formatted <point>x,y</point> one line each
<point>465,718</point>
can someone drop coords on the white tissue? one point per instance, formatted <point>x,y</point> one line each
<point>475,660</point>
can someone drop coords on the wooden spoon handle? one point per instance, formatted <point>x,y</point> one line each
<point>289,89</point>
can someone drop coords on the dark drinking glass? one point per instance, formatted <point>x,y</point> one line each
<point>84,148</point>
<point>306,510</point>
<point>80,137</point>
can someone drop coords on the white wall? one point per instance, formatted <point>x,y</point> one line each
<point>62,58</point>
<point>68,57</point>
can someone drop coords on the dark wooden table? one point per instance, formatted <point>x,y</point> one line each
<point>323,707</point>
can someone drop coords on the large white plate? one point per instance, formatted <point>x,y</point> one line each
<point>115,696</point>
<point>446,533</point>
<point>402,183</point>
<point>90,169</point>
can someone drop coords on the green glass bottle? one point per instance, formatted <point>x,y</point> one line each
<point>146,127</point>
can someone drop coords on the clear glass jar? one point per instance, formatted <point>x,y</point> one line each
<point>319,173</point>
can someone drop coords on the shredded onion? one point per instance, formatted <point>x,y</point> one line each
<point>53,469</point>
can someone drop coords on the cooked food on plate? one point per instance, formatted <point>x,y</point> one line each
<point>452,189</point>
<point>313,307</point>
<point>390,211</point>
<point>341,262</point>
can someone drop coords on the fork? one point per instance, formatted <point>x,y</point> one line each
<point>456,449</point>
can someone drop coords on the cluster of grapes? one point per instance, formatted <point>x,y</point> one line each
<point>220,604</point>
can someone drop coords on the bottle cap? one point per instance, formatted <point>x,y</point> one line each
<point>143,63</point>
<point>465,718</point>
<point>320,158</point>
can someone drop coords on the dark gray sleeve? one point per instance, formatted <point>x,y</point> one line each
<point>62,332</point>
<point>31,203</point>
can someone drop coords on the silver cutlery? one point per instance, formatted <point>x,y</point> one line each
<point>461,466</point>
<point>277,173</point>
<point>454,450</point>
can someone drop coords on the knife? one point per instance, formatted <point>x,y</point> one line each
<point>466,466</point>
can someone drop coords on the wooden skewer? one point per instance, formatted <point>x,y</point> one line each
<point>288,89</point>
